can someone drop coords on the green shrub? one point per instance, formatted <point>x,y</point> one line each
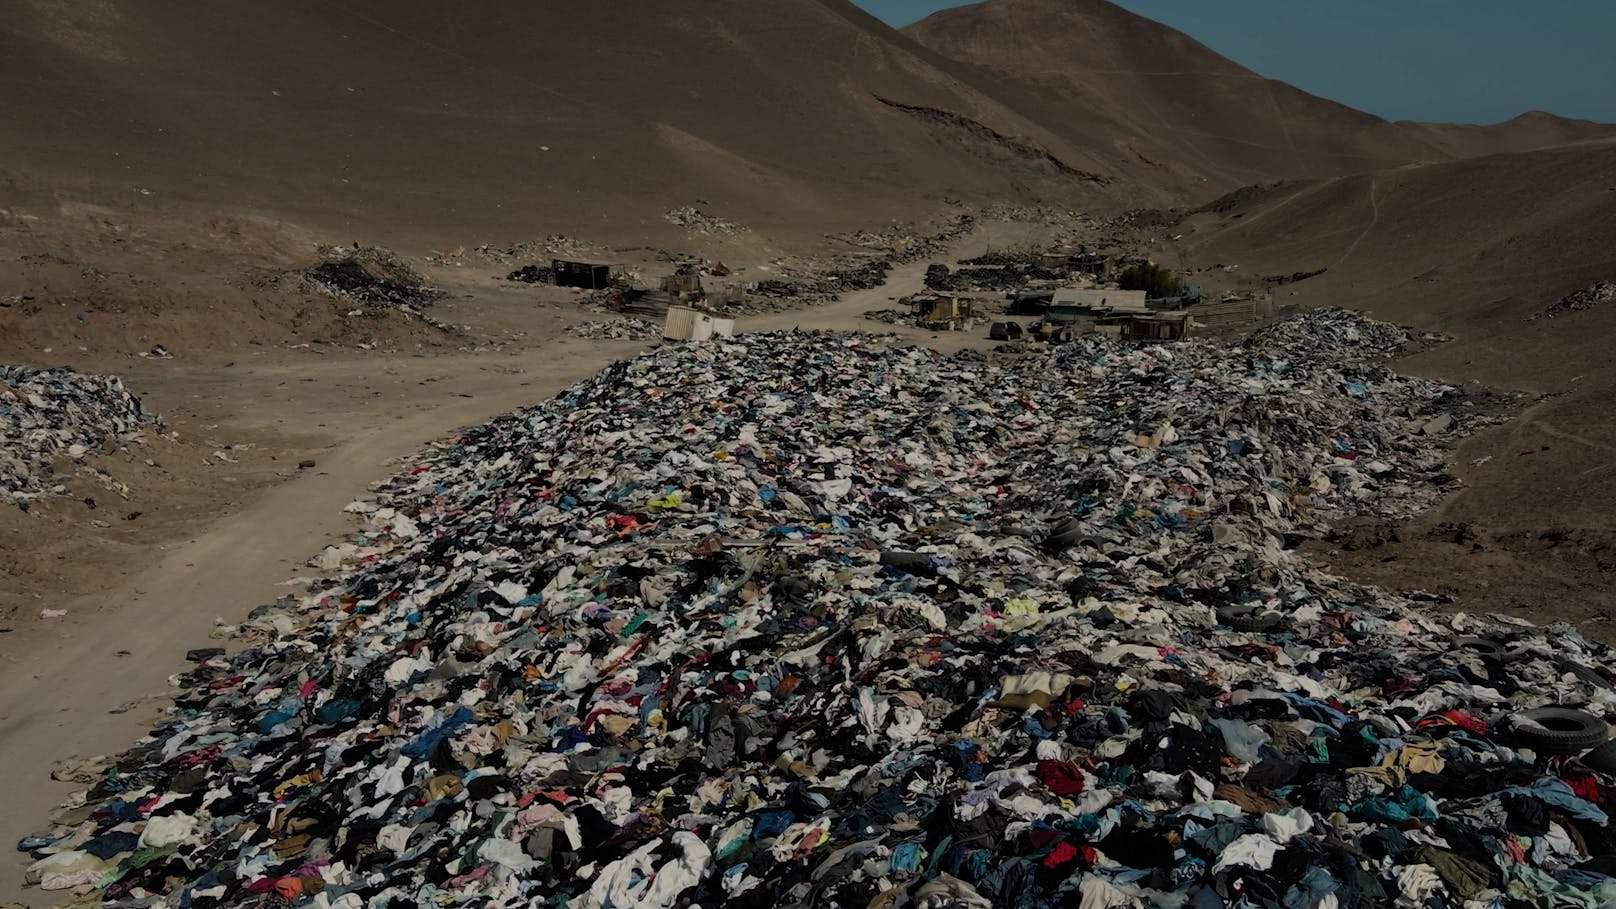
<point>1151,278</point>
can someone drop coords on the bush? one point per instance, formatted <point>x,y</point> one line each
<point>1151,278</point>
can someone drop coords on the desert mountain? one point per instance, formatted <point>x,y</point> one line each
<point>1481,249</point>
<point>1528,132</point>
<point>428,117</point>
<point>1158,104</point>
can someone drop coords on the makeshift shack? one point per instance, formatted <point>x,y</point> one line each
<point>582,273</point>
<point>687,323</point>
<point>942,312</point>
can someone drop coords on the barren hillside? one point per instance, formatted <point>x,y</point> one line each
<point>1531,130</point>
<point>1480,249</point>
<point>430,120</point>
<point>1165,107</point>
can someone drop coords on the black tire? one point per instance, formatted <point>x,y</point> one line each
<point>916,563</point>
<point>1561,730</point>
<point>1602,759</point>
<point>1586,673</point>
<point>1486,648</point>
<point>1258,623</point>
<point>1065,535</point>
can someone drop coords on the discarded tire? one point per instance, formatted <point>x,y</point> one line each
<point>1486,648</point>
<point>1065,535</point>
<point>1561,730</point>
<point>1602,758</point>
<point>1587,674</point>
<point>912,562</point>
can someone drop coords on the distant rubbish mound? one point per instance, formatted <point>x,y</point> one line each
<point>51,414</point>
<point>801,619</point>
<point>371,276</point>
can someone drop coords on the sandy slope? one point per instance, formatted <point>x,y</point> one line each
<point>1474,248</point>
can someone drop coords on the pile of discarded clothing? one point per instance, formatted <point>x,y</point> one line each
<point>49,414</point>
<point>802,619</point>
<point>616,330</point>
<point>372,276</point>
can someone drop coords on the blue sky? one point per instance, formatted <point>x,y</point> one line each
<point>1465,61</point>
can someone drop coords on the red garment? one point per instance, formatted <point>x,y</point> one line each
<point>1586,787</point>
<point>1061,777</point>
<point>1062,853</point>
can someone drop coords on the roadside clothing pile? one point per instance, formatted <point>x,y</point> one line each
<point>46,414</point>
<point>616,330</point>
<point>799,619</point>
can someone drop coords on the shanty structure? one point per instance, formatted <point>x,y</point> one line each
<point>687,323</point>
<point>1101,301</point>
<point>942,312</point>
<point>582,273</point>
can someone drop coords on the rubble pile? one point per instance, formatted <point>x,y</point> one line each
<point>372,276</point>
<point>890,316</point>
<point>1597,294</point>
<point>902,245</point>
<point>553,246</point>
<point>47,414</point>
<point>697,221</point>
<point>533,274</point>
<point>616,330</point>
<point>801,619</point>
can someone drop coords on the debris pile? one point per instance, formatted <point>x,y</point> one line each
<point>697,221</point>
<point>46,414</point>
<point>1598,294</point>
<point>800,619</point>
<point>890,316</point>
<point>907,244</point>
<point>372,276</point>
<point>533,274</point>
<point>616,330</point>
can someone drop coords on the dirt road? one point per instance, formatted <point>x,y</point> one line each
<point>61,696</point>
<point>95,684</point>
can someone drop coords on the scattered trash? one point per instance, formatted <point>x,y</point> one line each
<point>533,274</point>
<point>1598,294</point>
<point>617,330</point>
<point>697,221</point>
<point>804,619</point>
<point>305,464</point>
<point>52,613</point>
<point>50,413</point>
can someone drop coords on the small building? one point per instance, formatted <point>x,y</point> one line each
<point>582,273</point>
<point>687,323</point>
<point>1102,301</point>
<point>1162,326</point>
<point>942,311</point>
<point>684,284</point>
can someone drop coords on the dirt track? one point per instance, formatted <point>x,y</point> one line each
<point>60,695</point>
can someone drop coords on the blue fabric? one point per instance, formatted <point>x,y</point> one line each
<point>1558,794</point>
<point>428,741</point>
<point>771,824</point>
